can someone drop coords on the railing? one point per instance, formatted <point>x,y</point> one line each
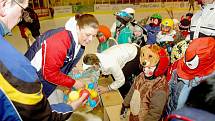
<point>91,2</point>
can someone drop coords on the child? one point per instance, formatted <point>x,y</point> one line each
<point>153,28</point>
<point>105,39</point>
<point>148,94</point>
<point>166,36</point>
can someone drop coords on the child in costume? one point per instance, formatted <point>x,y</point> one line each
<point>184,30</point>
<point>153,28</point>
<point>148,94</point>
<point>121,30</point>
<point>197,64</point>
<point>165,38</point>
<point>105,39</point>
<point>139,35</point>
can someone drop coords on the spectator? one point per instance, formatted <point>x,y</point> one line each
<point>21,97</point>
<point>202,22</point>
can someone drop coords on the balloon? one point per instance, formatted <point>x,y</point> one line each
<point>90,85</point>
<point>84,91</point>
<point>73,95</point>
<point>92,103</point>
<point>93,93</point>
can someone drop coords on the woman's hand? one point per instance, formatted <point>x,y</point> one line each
<point>102,89</point>
<point>81,101</point>
<point>79,84</point>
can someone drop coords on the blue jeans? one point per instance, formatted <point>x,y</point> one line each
<point>179,91</point>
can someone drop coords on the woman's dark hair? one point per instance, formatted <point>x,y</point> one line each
<point>86,19</point>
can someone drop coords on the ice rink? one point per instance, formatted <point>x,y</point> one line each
<point>107,19</point>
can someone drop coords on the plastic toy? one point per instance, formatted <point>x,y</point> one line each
<point>90,78</point>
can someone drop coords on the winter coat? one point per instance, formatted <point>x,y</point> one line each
<point>152,33</point>
<point>114,59</point>
<point>125,33</point>
<point>107,44</point>
<point>147,98</point>
<point>202,23</point>
<point>54,54</point>
<point>21,96</point>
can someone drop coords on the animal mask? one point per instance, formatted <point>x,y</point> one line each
<point>149,56</point>
<point>154,56</point>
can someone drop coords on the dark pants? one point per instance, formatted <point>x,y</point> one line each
<point>130,71</point>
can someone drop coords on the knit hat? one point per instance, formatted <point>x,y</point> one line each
<point>105,30</point>
<point>184,24</point>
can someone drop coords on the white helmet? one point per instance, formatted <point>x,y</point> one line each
<point>129,10</point>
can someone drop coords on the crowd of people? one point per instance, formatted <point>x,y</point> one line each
<point>164,69</point>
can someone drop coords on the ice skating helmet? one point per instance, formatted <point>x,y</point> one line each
<point>184,24</point>
<point>129,10</point>
<point>123,17</point>
<point>167,22</point>
<point>156,16</point>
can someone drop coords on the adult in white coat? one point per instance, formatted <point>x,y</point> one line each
<point>202,23</point>
<point>122,61</point>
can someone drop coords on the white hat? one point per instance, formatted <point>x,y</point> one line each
<point>129,10</point>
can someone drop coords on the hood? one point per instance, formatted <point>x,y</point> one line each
<point>71,26</point>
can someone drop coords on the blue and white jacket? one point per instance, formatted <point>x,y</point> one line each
<point>21,96</point>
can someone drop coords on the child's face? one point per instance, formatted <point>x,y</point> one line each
<point>100,36</point>
<point>155,21</point>
<point>165,29</point>
<point>137,33</point>
<point>149,71</point>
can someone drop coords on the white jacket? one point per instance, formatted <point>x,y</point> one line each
<point>114,59</point>
<point>204,21</point>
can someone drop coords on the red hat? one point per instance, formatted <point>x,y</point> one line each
<point>199,59</point>
<point>163,63</point>
<point>105,30</point>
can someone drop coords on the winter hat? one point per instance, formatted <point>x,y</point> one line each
<point>105,30</point>
<point>199,59</point>
<point>184,24</point>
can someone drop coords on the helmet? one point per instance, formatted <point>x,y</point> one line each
<point>105,31</point>
<point>168,22</point>
<point>129,10</point>
<point>123,17</point>
<point>184,24</point>
<point>156,15</point>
